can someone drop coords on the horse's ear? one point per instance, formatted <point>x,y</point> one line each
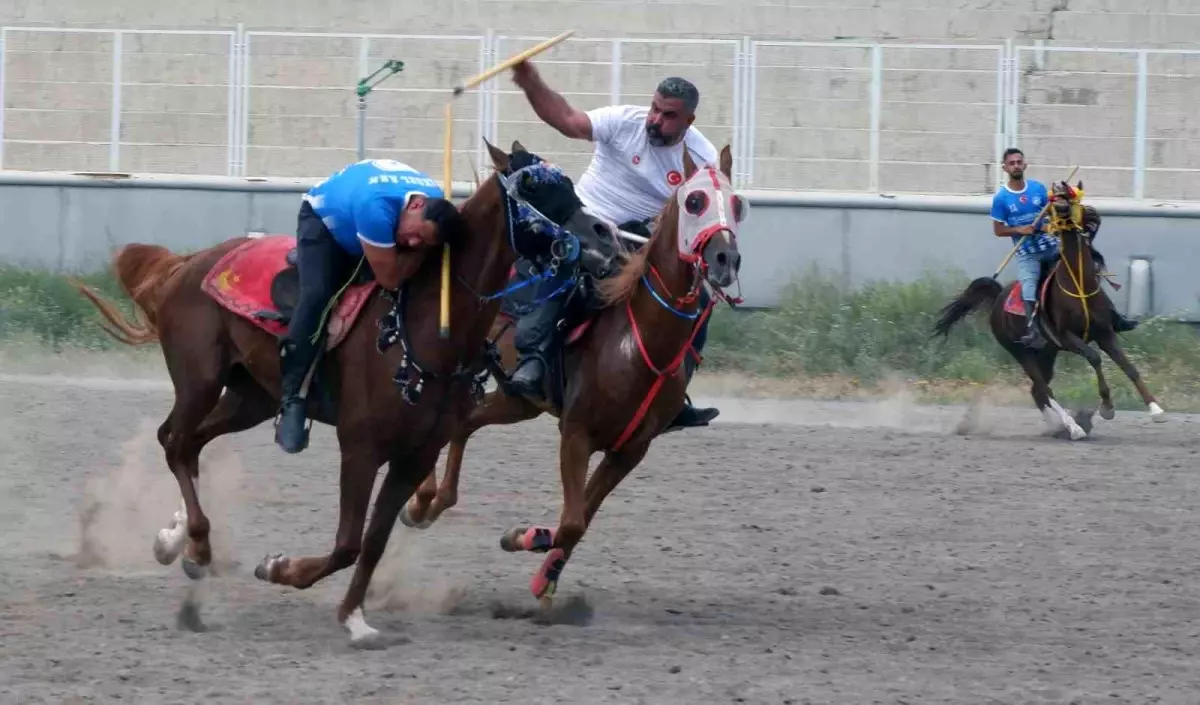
<point>727,162</point>
<point>499,158</point>
<point>689,166</point>
<point>518,147</point>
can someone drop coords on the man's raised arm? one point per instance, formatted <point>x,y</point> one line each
<point>550,106</point>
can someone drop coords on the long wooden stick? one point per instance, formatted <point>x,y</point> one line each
<point>447,181</point>
<point>447,187</point>
<point>511,62</point>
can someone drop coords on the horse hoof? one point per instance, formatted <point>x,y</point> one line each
<point>1107,413</point>
<point>407,520</point>
<point>192,569</point>
<point>1077,433</point>
<point>511,540</point>
<point>262,571</point>
<point>1156,413</point>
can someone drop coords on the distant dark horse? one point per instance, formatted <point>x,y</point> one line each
<point>1071,316</point>
<point>393,398</point>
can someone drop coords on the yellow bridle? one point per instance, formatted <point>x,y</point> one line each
<point>1072,223</point>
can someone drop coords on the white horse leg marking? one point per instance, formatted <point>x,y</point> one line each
<point>357,625</point>
<point>1052,419</point>
<point>1156,412</point>
<point>170,541</point>
<point>1075,429</point>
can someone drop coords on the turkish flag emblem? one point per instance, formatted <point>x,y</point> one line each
<point>674,178</point>
<point>1024,199</point>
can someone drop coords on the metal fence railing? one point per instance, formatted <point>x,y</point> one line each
<point>829,116</point>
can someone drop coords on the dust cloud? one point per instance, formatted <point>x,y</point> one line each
<point>124,508</point>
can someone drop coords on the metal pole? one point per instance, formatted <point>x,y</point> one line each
<point>494,113</point>
<point>3,61</point>
<point>753,110</point>
<point>739,112</point>
<point>365,86</point>
<point>1139,138</point>
<point>364,53</point>
<point>1014,74</point>
<point>231,129</point>
<point>114,139</point>
<point>1001,104</point>
<point>614,86</point>
<point>482,104</point>
<point>245,137</point>
<point>876,107</point>
<point>362,128</point>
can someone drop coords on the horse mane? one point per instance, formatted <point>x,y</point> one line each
<point>621,286</point>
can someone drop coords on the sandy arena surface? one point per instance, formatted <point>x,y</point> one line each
<point>794,552</point>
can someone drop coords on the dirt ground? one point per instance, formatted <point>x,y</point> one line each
<point>792,553</point>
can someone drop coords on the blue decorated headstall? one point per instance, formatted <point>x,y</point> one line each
<point>565,245</point>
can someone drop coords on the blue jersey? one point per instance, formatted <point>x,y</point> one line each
<point>1018,209</point>
<point>364,201</point>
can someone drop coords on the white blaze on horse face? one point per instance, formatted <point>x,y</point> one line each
<point>707,205</point>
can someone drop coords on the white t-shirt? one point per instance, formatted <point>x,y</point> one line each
<point>629,178</point>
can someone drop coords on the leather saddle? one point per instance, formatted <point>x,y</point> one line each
<point>285,289</point>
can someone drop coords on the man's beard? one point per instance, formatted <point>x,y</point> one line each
<point>656,137</point>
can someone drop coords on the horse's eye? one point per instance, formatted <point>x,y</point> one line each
<point>739,209</point>
<point>696,202</point>
<point>527,181</point>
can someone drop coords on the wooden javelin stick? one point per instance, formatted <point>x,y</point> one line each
<point>511,62</point>
<point>447,182</point>
<point>1013,251</point>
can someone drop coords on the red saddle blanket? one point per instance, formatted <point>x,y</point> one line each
<point>1013,303</point>
<point>241,282</point>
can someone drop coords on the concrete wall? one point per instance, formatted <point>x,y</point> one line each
<point>939,112</point>
<point>74,223</point>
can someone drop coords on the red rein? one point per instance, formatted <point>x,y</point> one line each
<point>671,369</point>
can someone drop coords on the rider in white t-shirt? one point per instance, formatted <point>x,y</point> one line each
<point>636,165</point>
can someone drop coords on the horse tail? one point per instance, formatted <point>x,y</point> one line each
<point>143,272</point>
<point>982,292</point>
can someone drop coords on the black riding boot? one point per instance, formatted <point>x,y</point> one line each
<point>689,416</point>
<point>534,342</point>
<point>1120,323</point>
<point>1033,335</point>
<point>295,359</point>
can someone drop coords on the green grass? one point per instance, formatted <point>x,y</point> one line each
<point>882,331</point>
<point>863,340</point>
<point>45,307</point>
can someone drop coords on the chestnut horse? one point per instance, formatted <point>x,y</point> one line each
<point>382,415</point>
<point>617,384</point>
<point>1071,314</point>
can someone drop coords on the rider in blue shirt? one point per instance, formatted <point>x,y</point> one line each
<point>1015,210</point>
<point>378,209</point>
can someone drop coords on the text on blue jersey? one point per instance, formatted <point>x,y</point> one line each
<point>363,201</point>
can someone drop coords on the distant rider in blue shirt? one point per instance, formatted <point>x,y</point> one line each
<point>1015,207</point>
<point>380,209</point>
